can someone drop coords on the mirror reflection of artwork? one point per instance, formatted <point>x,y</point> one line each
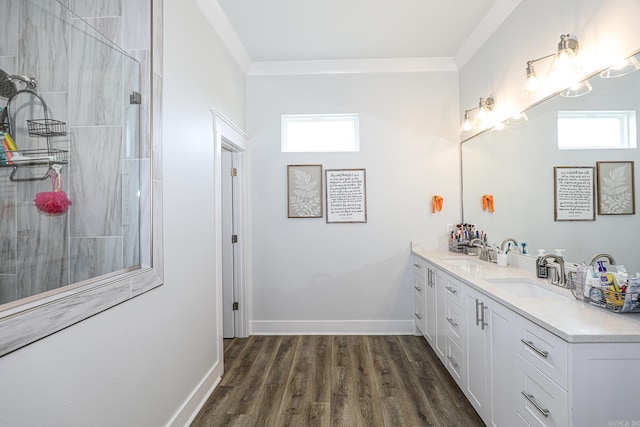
<point>615,188</point>
<point>515,165</point>
<point>304,184</point>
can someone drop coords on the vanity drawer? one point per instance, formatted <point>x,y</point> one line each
<point>419,269</point>
<point>453,290</point>
<point>545,351</point>
<point>455,323</point>
<point>455,362</point>
<point>540,401</point>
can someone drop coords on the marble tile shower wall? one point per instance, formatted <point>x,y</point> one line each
<point>85,83</point>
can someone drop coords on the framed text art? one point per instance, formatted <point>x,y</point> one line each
<point>574,193</point>
<point>616,193</point>
<point>304,191</point>
<point>346,195</point>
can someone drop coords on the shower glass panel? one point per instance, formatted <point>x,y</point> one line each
<point>90,84</point>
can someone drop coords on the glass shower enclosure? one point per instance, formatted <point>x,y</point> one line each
<point>84,92</point>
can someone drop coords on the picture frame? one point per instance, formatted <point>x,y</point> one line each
<point>616,189</point>
<point>304,191</point>
<point>346,195</point>
<point>574,193</point>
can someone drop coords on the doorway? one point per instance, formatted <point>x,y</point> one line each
<point>231,237</point>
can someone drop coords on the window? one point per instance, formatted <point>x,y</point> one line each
<point>320,133</point>
<point>595,130</point>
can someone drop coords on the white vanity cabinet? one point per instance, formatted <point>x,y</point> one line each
<point>516,372</point>
<point>490,368</point>
<point>425,279</point>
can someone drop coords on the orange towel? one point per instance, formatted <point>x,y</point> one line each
<point>487,203</point>
<point>436,203</point>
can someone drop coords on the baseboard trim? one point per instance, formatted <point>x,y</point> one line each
<point>191,407</point>
<point>335,327</point>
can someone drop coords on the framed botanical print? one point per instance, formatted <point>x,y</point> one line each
<point>616,192</point>
<point>304,191</point>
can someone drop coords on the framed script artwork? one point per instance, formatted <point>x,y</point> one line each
<point>616,193</point>
<point>346,195</point>
<point>574,191</point>
<point>304,191</point>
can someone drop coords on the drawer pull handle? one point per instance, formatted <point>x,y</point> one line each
<point>418,316</point>
<point>450,289</point>
<point>419,289</point>
<point>529,344</point>
<point>416,265</point>
<point>450,320</point>
<point>453,362</point>
<point>530,398</point>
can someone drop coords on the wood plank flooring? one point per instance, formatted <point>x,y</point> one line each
<point>305,381</point>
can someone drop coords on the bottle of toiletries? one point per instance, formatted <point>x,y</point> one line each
<point>602,274</point>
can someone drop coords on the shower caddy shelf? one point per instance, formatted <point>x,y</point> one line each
<point>45,128</point>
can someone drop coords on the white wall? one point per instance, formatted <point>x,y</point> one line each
<point>137,364</point>
<point>605,29</point>
<point>313,277</point>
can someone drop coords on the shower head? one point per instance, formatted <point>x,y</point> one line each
<point>7,86</point>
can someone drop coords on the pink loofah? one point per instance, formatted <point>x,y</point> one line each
<point>53,202</point>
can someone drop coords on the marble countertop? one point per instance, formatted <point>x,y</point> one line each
<point>570,319</point>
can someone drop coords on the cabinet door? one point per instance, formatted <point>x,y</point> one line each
<point>476,341</point>
<point>503,335</point>
<point>430,307</point>
<point>441,314</point>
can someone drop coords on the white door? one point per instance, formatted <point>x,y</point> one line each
<point>228,279</point>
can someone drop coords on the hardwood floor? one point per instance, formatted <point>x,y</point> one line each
<point>335,381</point>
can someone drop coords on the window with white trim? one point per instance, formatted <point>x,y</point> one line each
<point>596,130</point>
<point>320,133</point>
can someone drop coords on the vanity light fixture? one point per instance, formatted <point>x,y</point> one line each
<point>483,118</point>
<point>564,69</point>
<point>622,68</point>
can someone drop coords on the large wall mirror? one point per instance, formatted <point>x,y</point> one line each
<point>517,168</point>
<point>58,268</point>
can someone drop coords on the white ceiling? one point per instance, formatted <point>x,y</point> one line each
<point>293,30</point>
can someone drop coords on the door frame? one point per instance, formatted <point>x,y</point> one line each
<point>230,137</point>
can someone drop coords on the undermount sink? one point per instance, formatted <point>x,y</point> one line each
<point>528,288</point>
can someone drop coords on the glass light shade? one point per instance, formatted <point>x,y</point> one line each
<point>564,66</point>
<point>578,89</point>
<point>466,125</point>
<point>622,68</point>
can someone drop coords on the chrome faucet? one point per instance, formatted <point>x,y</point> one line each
<point>484,251</point>
<point>560,279</point>
<point>595,259</point>
<point>503,245</point>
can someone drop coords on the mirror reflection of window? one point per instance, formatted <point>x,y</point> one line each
<point>596,130</point>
